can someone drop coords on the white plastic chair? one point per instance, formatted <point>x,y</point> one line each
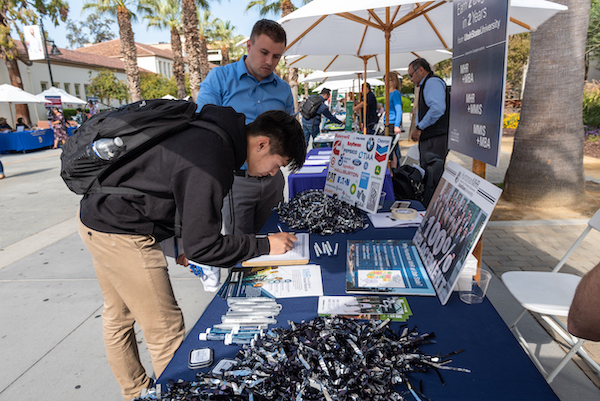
<point>411,153</point>
<point>549,294</point>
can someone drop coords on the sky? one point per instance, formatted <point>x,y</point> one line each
<point>227,10</point>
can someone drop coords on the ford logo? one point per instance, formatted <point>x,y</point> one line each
<point>356,162</point>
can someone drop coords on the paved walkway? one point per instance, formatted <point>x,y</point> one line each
<point>50,336</point>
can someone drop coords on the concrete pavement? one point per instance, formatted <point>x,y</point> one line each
<point>50,336</point>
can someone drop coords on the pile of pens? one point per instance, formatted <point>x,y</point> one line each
<point>326,248</point>
<point>244,322</point>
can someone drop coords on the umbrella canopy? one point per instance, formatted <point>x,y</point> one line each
<point>11,94</point>
<point>389,26</point>
<point>322,76</point>
<point>347,85</point>
<point>64,96</point>
<point>346,62</point>
<point>359,27</point>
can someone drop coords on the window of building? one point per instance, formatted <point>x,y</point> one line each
<point>57,85</point>
<point>44,85</point>
<point>77,91</point>
<point>68,88</point>
<point>160,67</point>
<point>86,88</point>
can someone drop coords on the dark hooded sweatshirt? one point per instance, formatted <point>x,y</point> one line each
<point>192,171</point>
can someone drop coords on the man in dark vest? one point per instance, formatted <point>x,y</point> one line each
<point>431,129</point>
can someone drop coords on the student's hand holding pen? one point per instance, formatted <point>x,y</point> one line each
<point>281,243</point>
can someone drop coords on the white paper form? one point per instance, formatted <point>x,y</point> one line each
<point>299,254</point>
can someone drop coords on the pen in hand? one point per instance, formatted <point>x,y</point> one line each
<point>279,227</point>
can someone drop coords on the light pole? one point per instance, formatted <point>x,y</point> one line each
<point>54,51</point>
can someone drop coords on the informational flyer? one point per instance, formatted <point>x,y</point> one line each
<point>357,169</point>
<point>457,214</point>
<point>365,307</point>
<point>383,267</point>
<point>273,282</point>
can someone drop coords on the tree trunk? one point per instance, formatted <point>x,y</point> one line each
<point>129,54</point>
<point>546,167</point>
<point>21,110</point>
<point>178,64</point>
<point>189,18</point>
<point>287,8</point>
<point>225,55</point>
<point>203,58</point>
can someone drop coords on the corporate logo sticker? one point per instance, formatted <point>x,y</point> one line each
<point>381,153</point>
<point>370,144</point>
<point>364,180</point>
<point>356,162</point>
<point>337,144</point>
<point>377,170</point>
<point>353,188</point>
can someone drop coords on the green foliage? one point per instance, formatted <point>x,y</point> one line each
<point>591,104</point>
<point>593,35</point>
<point>69,114</point>
<point>518,54</point>
<point>107,87</point>
<point>406,103</point>
<point>155,86</point>
<point>99,31</point>
<point>442,69</point>
<point>511,120</point>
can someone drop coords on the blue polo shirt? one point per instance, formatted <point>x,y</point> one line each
<point>232,85</point>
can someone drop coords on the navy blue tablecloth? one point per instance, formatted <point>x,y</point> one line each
<point>28,140</point>
<point>500,368</point>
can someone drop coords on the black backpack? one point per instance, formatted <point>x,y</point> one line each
<point>310,107</point>
<point>140,125</point>
<point>408,183</point>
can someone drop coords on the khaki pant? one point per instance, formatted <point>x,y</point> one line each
<point>132,273</point>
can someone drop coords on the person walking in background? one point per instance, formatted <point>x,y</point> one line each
<point>251,88</point>
<point>80,117</point>
<point>431,129</point>
<point>372,117</point>
<point>59,127</point>
<point>315,107</point>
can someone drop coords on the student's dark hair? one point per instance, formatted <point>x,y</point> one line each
<point>325,91</point>
<point>79,109</point>
<point>270,28</point>
<point>420,62</point>
<point>285,133</point>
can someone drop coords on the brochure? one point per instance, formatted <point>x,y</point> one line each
<point>453,223</point>
<point>273,282</point>
<point>385,267</point>
<point>365,307</point>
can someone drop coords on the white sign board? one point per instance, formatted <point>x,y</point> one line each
<point>357,169</point>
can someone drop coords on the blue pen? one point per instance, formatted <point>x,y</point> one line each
<point>279,227</point>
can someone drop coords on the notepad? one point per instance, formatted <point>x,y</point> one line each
<point>298,255</point>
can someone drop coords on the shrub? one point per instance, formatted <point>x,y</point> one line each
<point>591,104</point>
<point>511,120</point>
<point>406,103</point>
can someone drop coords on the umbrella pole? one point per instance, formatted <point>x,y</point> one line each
<point>11,115</point>
<point>365,99</point>
<point>387,71</point>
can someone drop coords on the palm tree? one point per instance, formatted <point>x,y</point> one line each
<point>167,14</point>
<point>189,18</point>
<point>286,7</point>
<point>205,24</point>
<point>121,10</point>
<point>222,32</point>
<point>546,167</point>
<point>13,15</point>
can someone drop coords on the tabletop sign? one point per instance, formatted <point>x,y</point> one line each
<point>357,169</point>
<point>478,78</point>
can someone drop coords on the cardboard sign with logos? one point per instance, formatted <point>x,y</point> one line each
<point>357,169</point>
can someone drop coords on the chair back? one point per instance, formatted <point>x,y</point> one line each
<point>593,223</point>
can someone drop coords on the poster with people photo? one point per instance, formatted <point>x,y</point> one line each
<point>460,208</point>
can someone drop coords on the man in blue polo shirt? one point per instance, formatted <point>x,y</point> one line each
<point>250,87</point>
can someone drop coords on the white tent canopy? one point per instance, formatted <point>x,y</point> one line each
<point>11,94</point>
<point>65,98</point>
<point>347,85</point>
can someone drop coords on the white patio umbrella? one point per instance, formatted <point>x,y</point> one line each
<point>357,27</point>
<point>346,62</point>
<point>347,85</point>
<point>11,94</point>
<point>64,96</point>
<point>323,76</point>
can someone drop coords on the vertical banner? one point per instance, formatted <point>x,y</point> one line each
<point>33,41</point>
<point>478,78</point>
<point>349,115</point>
<point>357,169</point>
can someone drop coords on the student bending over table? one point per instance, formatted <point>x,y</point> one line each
<point>191,172</point>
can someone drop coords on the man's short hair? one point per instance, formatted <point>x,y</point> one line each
<point>325,91</point>
<point>285,133</point>
<point>420,62</point>
<point>270,28</point>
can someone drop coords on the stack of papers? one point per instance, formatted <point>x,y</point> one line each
<point>386,220</point>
